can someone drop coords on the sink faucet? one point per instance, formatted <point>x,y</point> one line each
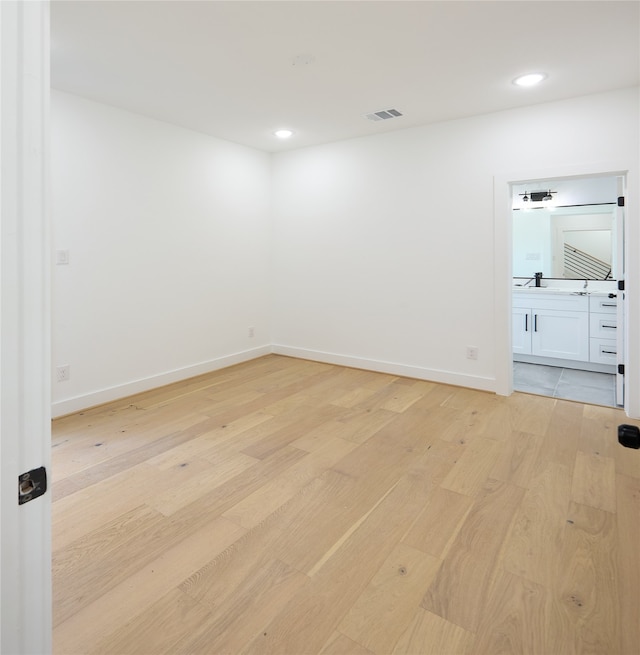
<point>538,278</point>
<point>586,282</point>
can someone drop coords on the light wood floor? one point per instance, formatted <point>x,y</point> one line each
<point>291,507</point>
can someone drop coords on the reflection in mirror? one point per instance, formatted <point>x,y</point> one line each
<point>565,242</point>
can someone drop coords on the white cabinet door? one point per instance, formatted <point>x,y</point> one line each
<point>561,334</point>
<point>521,331</point>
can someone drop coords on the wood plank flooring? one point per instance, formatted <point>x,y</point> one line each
<point>293,507</point>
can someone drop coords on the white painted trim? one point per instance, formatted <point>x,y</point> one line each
<point>503,266</point>
<point>502,270</point>
<point>101,396</point>
<point>25,320</point>
<point>403,370</point>
<point>117,392</point>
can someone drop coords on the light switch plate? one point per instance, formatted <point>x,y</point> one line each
<point>62,257</point>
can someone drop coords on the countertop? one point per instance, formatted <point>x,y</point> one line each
<point>563,291</point>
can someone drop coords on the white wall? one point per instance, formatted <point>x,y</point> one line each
<point>384,246</point>
<point>168,233</point>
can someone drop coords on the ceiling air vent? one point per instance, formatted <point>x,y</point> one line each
<point>383,115</point>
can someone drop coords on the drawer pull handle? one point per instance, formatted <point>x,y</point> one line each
<point>611,327</point>
<point>609,352</point>
<point>608,304</point>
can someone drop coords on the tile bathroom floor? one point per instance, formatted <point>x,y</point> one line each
<point>567,383</point>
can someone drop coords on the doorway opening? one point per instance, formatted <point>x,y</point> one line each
<point>567,310</point>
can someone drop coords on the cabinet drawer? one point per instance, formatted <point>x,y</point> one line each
<point>602,326</point>
<point>557,301</point>
<point>602,304</point>
<point>603,351</point>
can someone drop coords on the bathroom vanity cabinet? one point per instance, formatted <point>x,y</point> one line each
<point>551,325</point>
<point>565,328</point>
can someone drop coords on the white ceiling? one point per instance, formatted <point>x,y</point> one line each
<point>229,69</point>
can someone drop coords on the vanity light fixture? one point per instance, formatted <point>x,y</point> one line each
<point>537,196</point>
<point>283,134</point>
<point>530,79</point>
<point>544,198</point>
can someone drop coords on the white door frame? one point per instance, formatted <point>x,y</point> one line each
<point>25,319</point>
<point>621,338</point>
<point>503,250</point>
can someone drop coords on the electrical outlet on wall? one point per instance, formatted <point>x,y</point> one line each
<point>251,332</point>
<point>472,352</point>
<point>63,372</point>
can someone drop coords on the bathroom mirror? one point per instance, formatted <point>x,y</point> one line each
<point>565,242</point>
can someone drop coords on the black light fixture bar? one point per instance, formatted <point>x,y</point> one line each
<point>537,196</point>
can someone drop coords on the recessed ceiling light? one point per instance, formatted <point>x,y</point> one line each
<point>530,79</point>
<point>283,134</point>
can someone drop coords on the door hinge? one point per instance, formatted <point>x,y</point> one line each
<point>620,285</point>
<point>31,485</point>
<point>620,201</point>
<point>621,369</point>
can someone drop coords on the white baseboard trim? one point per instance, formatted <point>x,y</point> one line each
<point>94,398</point>
<point>404,370</point>
<point>84,401</point>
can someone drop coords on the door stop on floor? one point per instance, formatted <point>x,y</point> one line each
<point>629,436</point>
